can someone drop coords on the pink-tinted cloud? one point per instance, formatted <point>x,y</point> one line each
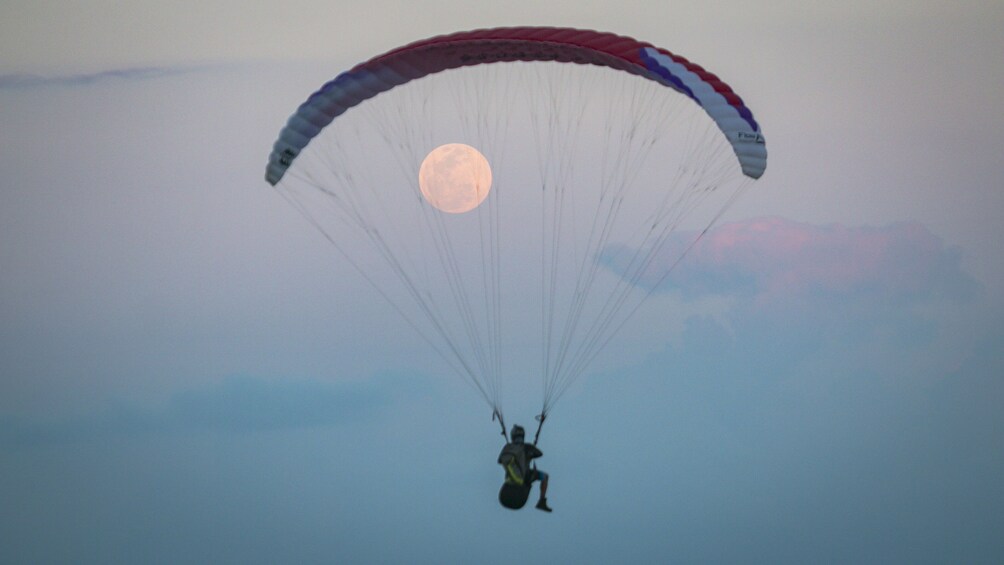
<point>774,258</point>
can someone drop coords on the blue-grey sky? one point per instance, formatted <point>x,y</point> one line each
<point>189,374</point>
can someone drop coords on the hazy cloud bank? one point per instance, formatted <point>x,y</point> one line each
<point>891,301</point>
<point>774,259</point>
<point>241,405</point>
<point>28,80</point>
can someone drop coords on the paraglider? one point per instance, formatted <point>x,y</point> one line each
<point>585,151</point>
<point>515,458</point>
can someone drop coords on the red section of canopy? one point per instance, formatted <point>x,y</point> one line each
<point>480,46</point>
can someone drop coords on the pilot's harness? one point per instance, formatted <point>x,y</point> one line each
<point>496,415</point>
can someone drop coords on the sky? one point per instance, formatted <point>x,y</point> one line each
<point>188,373</point>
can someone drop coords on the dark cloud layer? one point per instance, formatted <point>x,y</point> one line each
<point>24,80</point>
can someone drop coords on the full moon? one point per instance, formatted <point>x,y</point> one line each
<point>455,178</point>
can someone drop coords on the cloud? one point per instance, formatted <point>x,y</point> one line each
<point>888,301</point>
<point>236,405</point>
<point>247,404</point>
<point>772,260</point>
<point>25,80</point>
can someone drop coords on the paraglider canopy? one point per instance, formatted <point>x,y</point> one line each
<point>592,150</point>
<point>497,45</point>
